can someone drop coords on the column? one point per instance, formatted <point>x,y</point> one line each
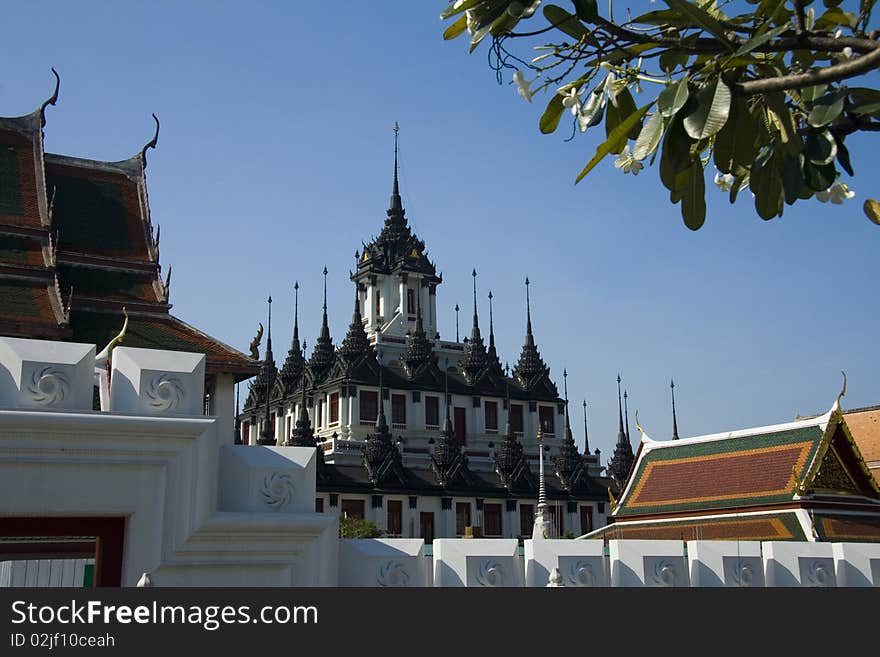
<point>224,407</point>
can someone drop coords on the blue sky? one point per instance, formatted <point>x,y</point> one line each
<point>275,160</point>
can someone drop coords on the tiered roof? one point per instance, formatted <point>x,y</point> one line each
<point>759,484</point>
<point>77,246</point>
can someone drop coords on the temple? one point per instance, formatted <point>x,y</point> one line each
<point>426,437</point>
<point>78,251</point>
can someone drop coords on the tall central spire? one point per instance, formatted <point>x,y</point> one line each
<point>474,360</point>
<point>295,362</point>
<point>268,374</point>
<point>621,434</point>
<point>623,457</point>
<point>530,368</point>
<point>586,435</point>
<point>324,353</point>
<point>396,207</point>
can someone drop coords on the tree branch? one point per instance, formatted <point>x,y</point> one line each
<point>841,71</point>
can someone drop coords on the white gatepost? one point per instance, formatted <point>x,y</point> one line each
<point>477,562</point>
<point>801,563</point>
<point>725,563</point>
<point>636,562</point>
<point>857,564</point>
<point>580,563</point>
<point>383,562</point>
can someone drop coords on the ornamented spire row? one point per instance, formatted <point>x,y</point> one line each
<point>268,373</point>
<point>324,353</point>
<point>475,359</point>
<point>294,364</point>
<point>568,462</point>
<point>356,343</point>
<point>531,366</point>
<point>510,463</point>
<point>623,457</point>
<point>419,350</point>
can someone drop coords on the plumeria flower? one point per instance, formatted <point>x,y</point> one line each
<point>628,163</point>
<point>847,52</point>
<point>837,194</point>
<point>724,181</point>
<point>571,100</point>
<point>523,85</point>
<point>471,18</point>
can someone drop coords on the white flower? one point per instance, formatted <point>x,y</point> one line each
<point>628,163</point>
<point>837,194</point>
<point>471,18</point>
<point>724,181</point>
<point>838,33</point>
<point>847,52</point>
<point>523,85</point>
<point>571,100</point>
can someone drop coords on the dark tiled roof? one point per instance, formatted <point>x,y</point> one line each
<point>160,332</point>
<point>782,526</point>
<point>722,473</point>
<point>19,250</point>
<point>848,528</point>
<point>26,310</point>
<point>18,181</point>
<point>97,211</point>
<point>105,284</point>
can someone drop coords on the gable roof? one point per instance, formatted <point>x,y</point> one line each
<point>864,424</point>
<point>752,467</point>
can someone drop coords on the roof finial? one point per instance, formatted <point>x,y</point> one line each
<point>267,437</point>
<point>456,322</point>
<point>491,326</point>
<point>674,419</point>
<point>396,204</point>
<point>528,311</point>
<point>152,143</point>
<point>325,294</point>
<point>474,274</point>
<point>621,435</point>
<point>626,415</point>
<point>565,384</point>
<point>51,100</point>
<point>586,434</point>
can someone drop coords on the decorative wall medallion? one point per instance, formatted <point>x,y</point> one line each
<point>581,574</point>
<point>490,573</point>
<point>165,392</point>
<point>277,490</point>
<point>392,574</point>
<point>48,386</point>
<point>742,574</point>
<point>663,573</point>
<point>817,572</point>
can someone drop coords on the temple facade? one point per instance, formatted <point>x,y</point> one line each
<point>426,437</point>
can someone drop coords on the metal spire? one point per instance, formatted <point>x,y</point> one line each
<point>396,204</point>
<point>626,414</point>
<point>456,322</point>
<point>325,295</point>
<point>620,432</point>
<point>267,437</point>
<point>529,338</point>
<point>476,323</point>
<point>491,326</point>
<point>586,434</point>
<point>674,419</point>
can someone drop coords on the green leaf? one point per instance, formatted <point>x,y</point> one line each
<point>843,157</point>
<point>693,202</point>
<point>567,22</point>
<point>675,156</point>
<point>792,178</point>
<point>452,10</point>
<point>586,10</point>
<point>550,118</point>
<point>618,134</point>
<point>735,142</point>
<point>672,59</point>
<point>812,94</point>
<point>455,29</point>
<point>820,147</point>
<point>872,210</point>
<point>673,97</point>
<point>826,109</point>
<point>701,18</point>
<point>649,137</point>
<point>819,177</point>
<point>760,40</point>
<point>833,18</point>
<point>766,185</point>
<point>713,108</point>
<point>626,106</point>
